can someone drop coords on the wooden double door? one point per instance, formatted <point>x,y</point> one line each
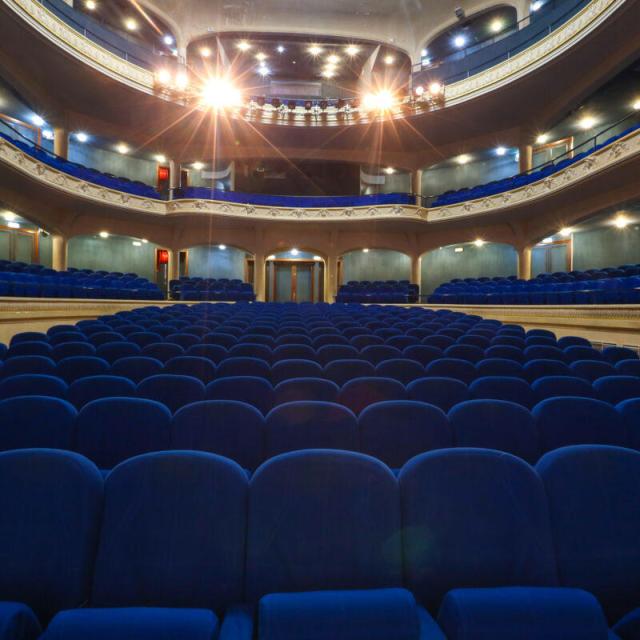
<point>295,281</point>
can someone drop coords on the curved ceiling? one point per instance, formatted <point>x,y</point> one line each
<point>405,24</point>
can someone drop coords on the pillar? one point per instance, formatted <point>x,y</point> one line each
<point>416,265</point>
<point>59,252</point>
<point>331,288</point>
<point>524,263</point>
<point>416,186</point>
<point>174,265</point>
<point>259,277</point>
<point>174,176</point>
<point>232,176</point>
<point>526,158</point>
<point>61,142</point>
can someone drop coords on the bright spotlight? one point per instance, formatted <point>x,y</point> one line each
<point>317,258</point>
<point>479,242</point>
<point>458,250</point>
<point>280,49</point>
<point>389,171</point>
<point>243,45</point>
<point>38,120</point>
<point>381,101</point>
<point>435,88</point>
<point>542,138</point>
<point>419,90</point>
<point>261,56</point>
<point>104,234</point>
<point>264,71</point>
<point>333,59</point>
<point>164,76</point>
<point>389,60</point>
<point>222,247</point>
<point>424,53</point>
<point>636,105</point>
<point>91,5</point>
<point>122,148</point>
<point>621,221</point>
<point>13,225</point>
<point>463,159</point>
<point>136,243</point>
<point>565,232</point>
<point>365,251</point>
<point>161,159</point>
<point>586,123</point>
<point>144,241</point>
<point>219,93</point>
<point>328,73</point>
<point>501,151</point>
<point>459,41</point>
<point>315,50</point>
<point>82,137</point>
<point>496,25</point>
<point>182,81</point>
<point>547,240</point>
<point>205,52</point>
<point>168,40</point>
<point>130,24</point>
<point>352,50</point>
<point>198,166</point>
<point>294,252</point>
<point>537,5</point>
<point>47,134</point>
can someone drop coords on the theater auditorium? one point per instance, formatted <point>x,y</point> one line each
<point>319,320</point>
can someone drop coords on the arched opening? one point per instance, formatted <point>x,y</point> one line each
<point>374,264</point>
<point>467,260</point>
<point>216,261</point>
<point>23,241</point>
<point>296,275</point>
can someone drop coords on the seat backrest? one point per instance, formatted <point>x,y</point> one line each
<point>28,364</point>
<point>226,427</point>
<point>287,369</point>
<point>162,351</point>
<point>111,430</point>
<point>293,352</point>
<point>75,367</point>
<point>422,353</point>
<point>333,521</point>
<point>495,424</point>
<point>168,517</point>
<point>628,368</point>
<point>244,366</point>
<point>379,352</point>
<point>615,354</point>
<point>331,352</point>
<point>452,368</point>
<point>47,549</point>
<point>554,386</point>
<point>113,351</point>
<point>592,369</point>
<point>85,390</point>
<point>213,352</point>
<point>296,389</point>
<point>499,367</point>
<point>503,388</point>
<point>33,384</point>
<point>362,392</point>
<point>466,352</point>
<point>341,371</point>
<point>473,518</point>
<point>581,352</point>
<point>174,391</point>
<point>397,430</point>
<point>201,368</point>
<point>615,389</point>
<point>68,349</point>
<point>630,412</point>
<point>403,370</point>
<point>310,425</point>
<point>505,351</point>
<point>29,422</point>
<point>444,393</point>
<point>569,420</point>
<point>27,348</point>
<point>535,369</point>
<point>592,492</point>
<point>137,368</point>
<point>253,390</point>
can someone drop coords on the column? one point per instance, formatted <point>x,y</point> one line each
<point>174,176</point>
<point>259,280</point>
<point>416,275</point>
<point>331,278</point>
<point>526,158</point>
<point>524,263</point>
<point>174,265</point>
<point>61,142</point>
<point>232,176</point>
<point>416,185</point>
<point>58,252</point>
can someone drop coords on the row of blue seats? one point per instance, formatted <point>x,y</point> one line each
<point>522,179</point>
<point>464,543</point>
<point>383,293</point>
<point>401,370</point>
<point>110,429</point>
<point>17,267</point>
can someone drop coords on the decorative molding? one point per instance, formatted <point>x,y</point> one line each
<point>619,151</point>
<point>575,29</point>
<point>81,47</point>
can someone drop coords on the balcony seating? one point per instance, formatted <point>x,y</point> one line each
<point>223,289</point>
<point>38,281</point>
<point>619,285</point>
<point>390,291</point>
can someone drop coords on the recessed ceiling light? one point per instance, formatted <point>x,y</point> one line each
<point>37,120</point>
<point>136,243</point>
<point>352,50</point>
<point>636,105</point>
<point>47,134</point>
<point>317,258</point>
<point>547,240</point>
<point>388,60</point>
<point>122,148</point>
<point>587,122</point>
<point>168,40</point>
<point>130,24</point>
<point>389,170</point>
<point>542,138</point>
<point>621,221</point>
<point>261,56</point>
<point>13,225</point>
<point>458,250</point>
<point>294,252</point>
<point>365,251</point>
<point>496,25</point>
<point>537,5</point>
<point>104,234</point>
<point>81,136</point>
<point>463,159</point>
<point>501,151</point>
<point>243,45</point>
<point>315,50</point>
<point>91,5</point>
<point>205,52</point>
<point>333,59</point>
<point>280,49</point>
<point>459,41</point>
<point>160,158</point>
<point>144,241</point>
<point>264,71</point>
<point>565,232</point>
<point>222,247</point>
<point>479,242</point>
<point>198,166</point>
<point>271,257</point>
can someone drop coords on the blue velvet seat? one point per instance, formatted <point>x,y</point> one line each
<point>137,368</point>
<point>444,393</point>
<point>555,386</point>
<point>452,368</point>
<point>155,505</point>
<point>253,390</point>
<point>244,366</point>
<point>592,369</point>
<point>359,393</point>
<point>507,388</point>
<point>287,369</point>
<point>113,351</point>
<point>28,364</point>
<point>305,388</point>
<point>29,348</point>
<point>84,390</point>
<point>69,349</point>
<point>403,370</point>
<point>76,367</point>
<point>395,431</point>
<point>341,371</point>
<point>422,353</point>
<point>197,367</point>
<point>174,391</point>
<point>33,384</point>
<point>615,389</point>
<point>162,351</point>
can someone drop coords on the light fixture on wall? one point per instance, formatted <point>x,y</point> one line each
<point>160,158</point>
<point>168,40</point>
<point>9,215</point>
<point>81,136</point>
<point>636,105</point>
<point>91,5</point>
<point>205,52</point>
<point>243,45</point>
<point>501,151</point>
<point>621,221</point>
<point>144,241</point>
<point>122,148</point>
<point>294,252</point>
<point>565,232</point>
<point>496,25</point>
<point>130,24</point>
<point>104,234</point>
<point>136,243</point>
<point>39,121</point>
<point>352,50</point>
<point>479,242</point>
<point>222,247</point>
<point>542,138</point>
<point>586,123</point>
<point>198,166</point>
<point>458,250</point>
<point>389,171</point>
<point>365,251</point>
<point>13,224</point>
<point>463,159</point>
<point>459,41</point>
